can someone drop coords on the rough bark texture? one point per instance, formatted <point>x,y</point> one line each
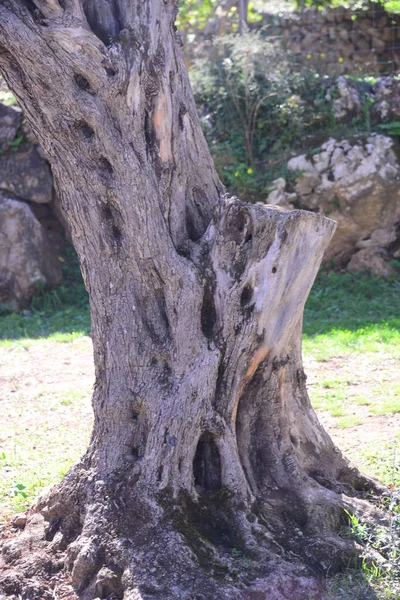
<point>208,474</point>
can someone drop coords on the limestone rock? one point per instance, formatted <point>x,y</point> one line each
<point>387,99</point>
<point>26,257</point>
<point>349,103</point>
<point>278,195</point>
<point>376,260</point>
<point>10,120</point>
<point>358,185</point>
<point>26,175</point>
<point>300,163</point>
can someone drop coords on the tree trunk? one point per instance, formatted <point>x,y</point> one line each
<point>243,7</point>
<point>207,469</point>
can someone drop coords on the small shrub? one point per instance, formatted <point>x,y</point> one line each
<point>256,108</point>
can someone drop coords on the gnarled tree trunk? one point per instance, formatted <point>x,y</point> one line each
<point>207,469</point>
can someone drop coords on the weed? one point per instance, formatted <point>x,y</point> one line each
<point>20,490</point>
<point>15,144</point>
<point>392,128</point>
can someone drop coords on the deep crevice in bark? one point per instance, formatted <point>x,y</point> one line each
<point>104,18</point>
<point>208,312</point>
<point>207,465</point>
<point>85,129</point>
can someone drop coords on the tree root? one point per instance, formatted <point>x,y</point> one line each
<point>99,543</point>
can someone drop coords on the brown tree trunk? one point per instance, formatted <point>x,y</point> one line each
<point>205,446</point>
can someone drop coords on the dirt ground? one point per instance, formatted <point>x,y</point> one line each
<point>46,366</point>
<point>366,376</point>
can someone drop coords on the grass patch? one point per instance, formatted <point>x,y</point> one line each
<point>386,407</point>
<point>38,446</point>
<point>348,421</point>
<point>381,462</point>
<point>352,313</point>
<point>362,401</point>
<point>330,396</point>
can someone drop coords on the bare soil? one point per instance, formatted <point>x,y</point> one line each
<point>365,375</point>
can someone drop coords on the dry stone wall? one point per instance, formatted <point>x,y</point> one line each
<point>341,41</point>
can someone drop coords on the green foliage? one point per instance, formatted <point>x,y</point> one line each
<point>256,108</point>
<point>392,128</point>
<point>16,142</point>
<point>391,6</point>
<point>19,490</point>
<point>7,98</point>
<point>378,574</point>
<point>382,540</point>
<point>195,13</point>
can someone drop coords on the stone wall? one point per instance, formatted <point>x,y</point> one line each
<point>333,42</point>
<point>341,41</point>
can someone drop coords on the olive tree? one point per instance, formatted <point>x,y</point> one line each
<point>208,473</point>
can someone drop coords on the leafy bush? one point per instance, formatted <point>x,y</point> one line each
<point>255,107</point>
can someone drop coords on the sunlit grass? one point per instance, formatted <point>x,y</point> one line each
<point>351,314</point>
<point>348,421</point>
<point>60,315</point>
<point>42,437</point>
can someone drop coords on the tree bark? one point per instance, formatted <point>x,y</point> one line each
<point>205,445</point>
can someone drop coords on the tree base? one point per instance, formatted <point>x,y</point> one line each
<point>89,540</point>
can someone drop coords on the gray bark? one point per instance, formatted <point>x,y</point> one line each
<point>204,437</point>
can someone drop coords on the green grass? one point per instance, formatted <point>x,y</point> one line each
<point>362,401</point>
<point>348,421</point>
<point>381,462</point>
<point>37,445</point>
<point>352,313</point>
<point>387,400</point>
